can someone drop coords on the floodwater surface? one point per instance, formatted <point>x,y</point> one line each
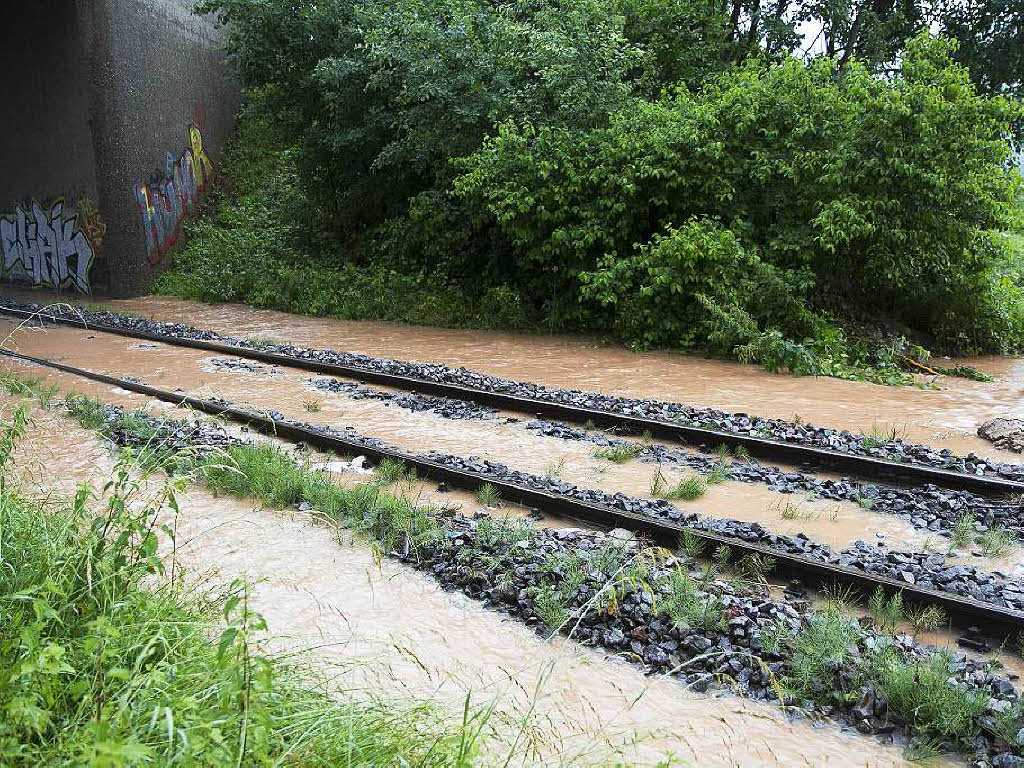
<point>837,523</point>
<point>946,418</point>
<point>555,703</point>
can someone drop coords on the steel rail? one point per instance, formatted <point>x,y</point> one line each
<point>773,450</point>
<point>963,610</point>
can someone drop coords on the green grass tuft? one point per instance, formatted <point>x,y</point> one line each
<point>488,495</point>
<point>687,489</point>
<point>920,692</point>
<point>996,542</point>
<point>618,454</point>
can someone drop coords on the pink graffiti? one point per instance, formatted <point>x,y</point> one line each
<point>164,202</point>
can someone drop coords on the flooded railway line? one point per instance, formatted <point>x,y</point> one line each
<point>775,439</point>
<point>930,507</point>
<point>968,595</point>
<point>638,634</point>
<point>936,508</point>
<point>701,657</point>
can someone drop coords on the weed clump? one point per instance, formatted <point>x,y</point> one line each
<point>618,454</point>
<point>488,495</point>
<point>921,692</point>
<point>996,541</point>
<point>687,606</point>
<point>686,489</point>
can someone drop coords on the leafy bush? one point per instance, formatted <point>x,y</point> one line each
<point>819,174</point>
<point>655,290</point>
<point>641,167</point>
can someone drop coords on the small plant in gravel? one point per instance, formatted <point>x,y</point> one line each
<point>920,692</point>
<point>262,471</point>
<point>312,405</point>
<point>881,435</point>
<point>687,606</point>
<point>791,511</point>
<point>718,475</point>
<point>926,618</point>
<point>260,342</point>
<point>962,534</point>
<point>887,610</point>
<point>865,502</point>
<point>722,555</point>
<point>996,541</point>
<point>872,441</point>
<point>390,471</point>
<point>87,411</point>
<point>820,649</point>
<point>687,489</point>
<point>550,607</point>
<point>755,568</point>
<point>488,495</point>
<point>502,533</point>
<point>395,523</point>
<point>618,454</point>
<point>776,637</point>
<point>553,469</point>
<point>924,750</point>
<point>571,571</point>
<point>609,558</point>
<point>691,545</point>
<point>658,483</point>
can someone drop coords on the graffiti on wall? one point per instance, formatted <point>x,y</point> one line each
<point>170,195</point>
<point>91,223</point>
<point>50,246</point>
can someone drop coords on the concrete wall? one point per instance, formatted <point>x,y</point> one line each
<point>120,107</point>
<point>48,190</point>
<point>168,105</point>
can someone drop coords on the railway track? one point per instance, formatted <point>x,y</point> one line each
<point>963,611</point>
<point>764,448</point>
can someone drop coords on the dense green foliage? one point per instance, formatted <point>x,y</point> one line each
<point>991,37</point>
<point>656,169</point>
<point>259,247</point>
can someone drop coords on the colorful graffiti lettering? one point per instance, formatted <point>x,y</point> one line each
<point>171,195</point>
<point>46,248</point>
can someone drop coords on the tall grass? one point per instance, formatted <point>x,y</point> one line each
<point>107,659</point>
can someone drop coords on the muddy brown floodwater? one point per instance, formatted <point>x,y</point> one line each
<point>397,633</point>
<point>944,418</point>
<point>837,523</point>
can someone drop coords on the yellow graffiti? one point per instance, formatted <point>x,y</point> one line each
<point>203,164</point>
<point>90,221</point>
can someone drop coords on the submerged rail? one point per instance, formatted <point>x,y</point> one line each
<point>774,450</point>
<point>963,610</point>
